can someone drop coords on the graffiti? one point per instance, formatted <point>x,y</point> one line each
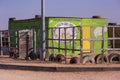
<point>98,31</point>
<point>64,30</point>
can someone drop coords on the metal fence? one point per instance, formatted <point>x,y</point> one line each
<point>68,41</point>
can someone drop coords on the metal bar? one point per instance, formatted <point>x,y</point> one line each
<point>47,41</point>
<point>102,45</point>
<point>62,27</point>
<point>81,39</point>
<point>113,38</point>
<point>81,46</point>
<point>9,40</point>
<point>73,46</point>
<point>65,46</point>
<point>34,40</point>
<point>114,49</point>
<point>59,41</point>
<point>18,39</point>
<point>43,32</point>
<point>91,41</point>
<point>114,26</point>
<point>77,49</point>
<point>1,43</point>
<point>52,42</point>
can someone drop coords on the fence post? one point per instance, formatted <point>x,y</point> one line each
<point>27,45</point>
<point>81,46</point>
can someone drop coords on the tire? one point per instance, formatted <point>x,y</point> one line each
<point>114,58</point>
<point>75,60</point>
<point>98,59</point>
<point>88,58</point>
<point>60,58</point>
<point>52,57</point>
<point>33,56</point>
<point>11,54</point>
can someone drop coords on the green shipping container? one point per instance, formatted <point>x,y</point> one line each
<point>55,27</point>
<point>91,35</point>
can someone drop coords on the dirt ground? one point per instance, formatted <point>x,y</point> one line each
<point>39,75</point>
<point>32,75</point>
<point>7,60</point>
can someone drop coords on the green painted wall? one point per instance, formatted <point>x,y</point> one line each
<point>64,22</point>
<point>19,24</point>
<point>15,25</point>
<point>96,29</point>
<point>96,26</point>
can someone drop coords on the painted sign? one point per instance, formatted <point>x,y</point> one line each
<point>64,30</point>
<point>91,29</point>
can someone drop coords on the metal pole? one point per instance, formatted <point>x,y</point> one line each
<point>102,45</point>
<point>1,36</point>
<point>65,46</point>
<point>81,46</point>
<point>43,32</point>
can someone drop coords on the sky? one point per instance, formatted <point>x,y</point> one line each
<point>25,9</point>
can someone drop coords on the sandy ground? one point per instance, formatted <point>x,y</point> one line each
<point>32,75</point>
<point>7,60</point>
<point>38,75</point>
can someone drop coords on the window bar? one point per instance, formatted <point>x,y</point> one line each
<point>81,52</point>
<point>102,45</point>
<point>91,41</point>
<point>73,47</point>
<point>65,46</point>
<point>52,42</point>
<point>1,43</point>
<point>59,41</point>
<point>113,38</point>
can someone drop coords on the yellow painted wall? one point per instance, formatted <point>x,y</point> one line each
<point>86,35</point>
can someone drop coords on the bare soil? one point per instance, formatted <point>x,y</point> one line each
<point>7,60</point>
<point>39,75</point>
<point>31,75</point>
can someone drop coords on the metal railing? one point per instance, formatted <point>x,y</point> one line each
<point>70,40</point>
